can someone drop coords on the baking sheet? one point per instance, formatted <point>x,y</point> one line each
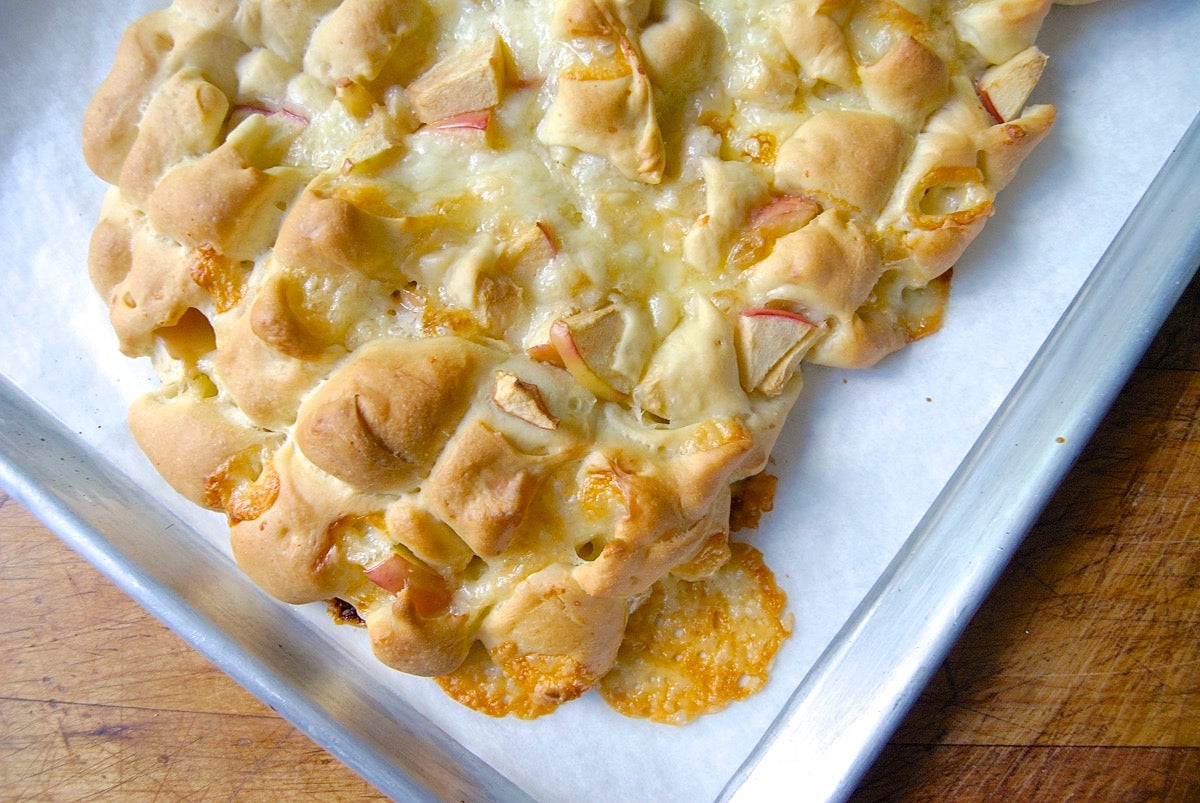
<point>887,650</point>
<point>863,460</point>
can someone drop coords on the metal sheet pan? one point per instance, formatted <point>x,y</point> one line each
<point>885,654</point>
<point>876,614</point>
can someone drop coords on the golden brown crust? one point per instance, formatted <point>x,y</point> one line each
<point>381,420</point>
<point>1000,29</point>
<point>266,384</point>
<point>1004,146</point>
<point>356,40</point>
<point>406,640</point>
<point>648,539</point>
<point>155,293</point>
<point>183,119</point>
<point>677,45</point>
<point>909,83</point>
<point>290,550</point>
<point>188,439</point>
<point>481,486</point>
<point>815,160</point>
<point>611,117</point>
<point>812,34</point>
<point>152,49</point>
<point>110,123</point>
<point>426,537</point>
<point>826,269</point>
<point>110,254</point>
<point>222,201</point>
<point>278,323</point>
<point>326,234</point>
<point>553,637</point>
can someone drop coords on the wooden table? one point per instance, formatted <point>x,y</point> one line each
<point>1078,679</point>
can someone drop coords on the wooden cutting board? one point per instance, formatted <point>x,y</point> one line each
<point>1079,679</point>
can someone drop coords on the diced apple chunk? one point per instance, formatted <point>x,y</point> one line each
<point>530,250</point>
<point>463,82</point>
<point>477,124</point>
<point>585,343</point>
<point>467,121</point>
<point>522,400</point>
<point>779,216</point>
<point>545,352</point>
<point>428,592</point>
<point>1003,89</point>
<point>770,343</point>
<point>783,214</point>
<point>378,138</point>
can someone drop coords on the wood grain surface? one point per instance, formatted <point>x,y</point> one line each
<point>1079,678</point>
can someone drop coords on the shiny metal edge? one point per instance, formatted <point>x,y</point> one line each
<point>198,593</point>
<point>850,702</point>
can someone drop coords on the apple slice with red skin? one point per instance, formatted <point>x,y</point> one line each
<point>770,342</point>
<point>1004,88</point>
<point>779,216</point>
<point>467,121</point>
<point>428,591</point>
<point>784,214</point>
<point>567,338</point>
<point>545,352</point>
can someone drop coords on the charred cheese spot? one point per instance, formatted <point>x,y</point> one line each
<point>752,497</point>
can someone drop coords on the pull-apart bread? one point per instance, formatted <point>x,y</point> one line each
<point>475,319</point>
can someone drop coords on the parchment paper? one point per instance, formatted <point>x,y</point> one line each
<point>862,458</point>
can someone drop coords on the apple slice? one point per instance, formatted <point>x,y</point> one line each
<point>1004,88</point>
<point>769,222</point>
<point>467,121</point>
<point>548,234</point>
<point>538,344</point>
<point>585,343</point>
<point>784,214</point>
<point>243,110</point>
<point>528,252</point>
<point>770,343</point>
<point>545,352</point>
<point>354,97</point>
<point>477,124</point>
<point>462,82</point>
<point>522,400</point>
<point>374,145</point>
<point>427,590</point>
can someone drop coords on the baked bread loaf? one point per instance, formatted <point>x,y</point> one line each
<point>475,316</point>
